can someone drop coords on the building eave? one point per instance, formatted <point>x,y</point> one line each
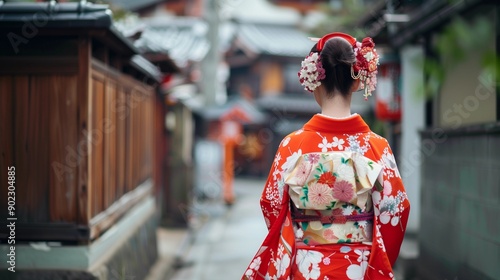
<point>429,17</point>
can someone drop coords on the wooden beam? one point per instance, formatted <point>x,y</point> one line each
<point>87,257</point>
<point>100,52</point>
<point>61,232</point>
<point>84,192</point>
<point>38,65</point>
<point>112,214</point>
<point>7,143</point>
<point>126,80</point>
<point>82,234</point>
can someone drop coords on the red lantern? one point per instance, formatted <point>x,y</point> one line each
<point>388,97</point>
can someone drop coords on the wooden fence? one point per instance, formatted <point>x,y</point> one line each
<point>80,135</point>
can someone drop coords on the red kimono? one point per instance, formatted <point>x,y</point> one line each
<point>343,173</point>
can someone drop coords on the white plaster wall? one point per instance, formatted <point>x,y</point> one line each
<point>413,120</point>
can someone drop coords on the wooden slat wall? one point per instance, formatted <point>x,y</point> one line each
<point>137,130</point>
<point>30,155</point>
<point>84,192</point>
<point>42,106</point>
<point>6,137</point>
<point>63,148</point>
<point>130,157</point>
<point>78,144</point>
<point>145,142</point>
<point>39,138</point>
<point>110,143</point>
<point>122,110</point>
<point>151,136</point>
<point>121,136</point>
<point>128,141</point>
<point>96,145</point>
<point>149,116</point>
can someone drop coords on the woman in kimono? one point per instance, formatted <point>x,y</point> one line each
<point>334,202</point>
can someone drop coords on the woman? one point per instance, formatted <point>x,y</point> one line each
<point>334,201</point>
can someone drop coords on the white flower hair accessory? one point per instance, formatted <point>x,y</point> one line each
<point>311,72</point>
<point>364,68</point>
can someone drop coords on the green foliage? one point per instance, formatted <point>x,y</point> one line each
<point>453,44</point>
<point>342,20</point>
<point>120,14</point>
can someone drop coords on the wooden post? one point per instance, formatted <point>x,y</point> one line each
<point>231,133</point>
<point>228,172</point>
<point>84,188</point>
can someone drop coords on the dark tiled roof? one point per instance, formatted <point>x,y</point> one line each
<point>429,16</point>
<point>55,15</point>
<point>145,66</point>
<point>276,40</point>
<point>183,39</point>
<point>134,5</point>
<point>71,16</point>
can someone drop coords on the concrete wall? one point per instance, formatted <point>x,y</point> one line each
<point>461,100</point>
<point>460,233</point>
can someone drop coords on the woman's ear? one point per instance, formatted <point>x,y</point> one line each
<point>355,85</point>
<point>318,94</point>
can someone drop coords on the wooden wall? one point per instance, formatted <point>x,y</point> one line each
<point>41,135</point>
<point>121,113</point>
<point>38,133</point>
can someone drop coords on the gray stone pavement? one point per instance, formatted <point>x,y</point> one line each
<point>225,242</point>
<point>222,240</point>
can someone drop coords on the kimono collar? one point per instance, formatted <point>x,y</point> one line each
<point>349,125</point>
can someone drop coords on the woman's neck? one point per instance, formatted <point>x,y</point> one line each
<point>337,107</point>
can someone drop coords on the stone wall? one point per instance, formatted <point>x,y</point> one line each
<point>460,226</point>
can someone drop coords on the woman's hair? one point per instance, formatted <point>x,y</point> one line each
<point>337,57</point>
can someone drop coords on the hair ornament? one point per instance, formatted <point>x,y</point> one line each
<point>366,65</point>
<point>355,76</point>
<point>364,68</point>
<point>311,72</point>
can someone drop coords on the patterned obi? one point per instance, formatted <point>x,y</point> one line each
<point>331,197</point>
<point>347,224</point>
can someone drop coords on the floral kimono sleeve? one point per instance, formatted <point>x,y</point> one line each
<point>270,200</point>
<point>391,206</point>
<point>272,197</point>
<point>270,209</point>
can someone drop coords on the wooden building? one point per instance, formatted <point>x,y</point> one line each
<point>78,123</point>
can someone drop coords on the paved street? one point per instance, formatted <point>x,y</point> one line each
<point>225,242</point>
